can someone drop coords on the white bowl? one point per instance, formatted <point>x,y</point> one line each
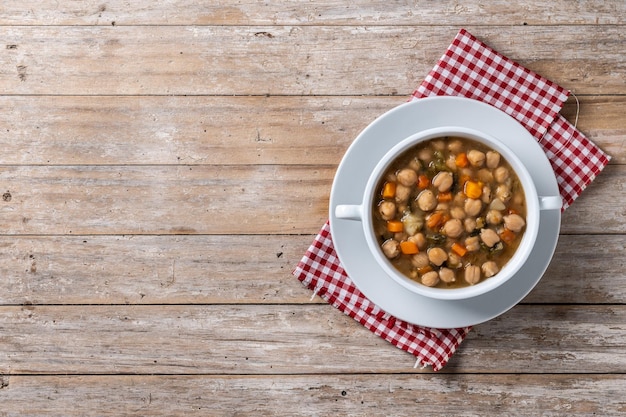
<point>362,212</point>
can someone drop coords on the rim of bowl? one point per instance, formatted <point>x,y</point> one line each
<point>522,252</point>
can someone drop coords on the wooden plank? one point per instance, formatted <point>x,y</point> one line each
<point>546,337</point>
<point>218,269</point>
<point>604,194</point>
<point>584,269</point>
<point>76,130</point>
<point>164,200</point>
<point>206,199</point>
<point>293,60</point>
<point>328,12</point>
<point>183,130</point>
<point>188,340</point>
<point>289,339</point>
<point>313,395</point>
<point>601,120</point>
<point>176,140</point>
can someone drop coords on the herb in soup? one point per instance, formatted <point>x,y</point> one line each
<point>450,212</point>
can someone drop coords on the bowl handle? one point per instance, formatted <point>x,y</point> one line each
<point>553,202</point>
<point>349,211</point>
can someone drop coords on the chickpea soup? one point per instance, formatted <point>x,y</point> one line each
<point>449,212</point>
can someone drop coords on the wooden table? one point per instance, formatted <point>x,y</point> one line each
<point>164,166</point>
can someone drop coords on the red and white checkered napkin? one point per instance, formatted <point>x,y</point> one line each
<point>471,69</point>
<point>468,68</point>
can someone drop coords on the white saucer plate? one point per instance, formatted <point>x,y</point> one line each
<point>349,185</point>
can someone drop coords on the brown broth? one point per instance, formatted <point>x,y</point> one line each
<point>427,159</point>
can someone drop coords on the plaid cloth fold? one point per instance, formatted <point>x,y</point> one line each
<point>471,69</point>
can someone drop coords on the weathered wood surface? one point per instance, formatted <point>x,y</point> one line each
<point>237,199</point>
<point>165,165</point>
<point>209,130</point>
<point>293,339</point>
<point>330,12</point>
<point>315,395</point>
<point>201,269</point>
<point>286,60</point>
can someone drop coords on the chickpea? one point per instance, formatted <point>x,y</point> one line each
<point>472,274</point>
<point>459,199</point>
<point>420,240</point>
<point>438,145</point>
<point>443,181</point>
<point>447,275</point>
<point>437,256</point>
<point>453,228</point>
<point>476,158</point>
<point>503,192</point>
<point>451,163</point>
<point>490,268</point>
<point>420,260</point>
<point>407,177</point>
<point>454,260</point>
<point>492,159</point>
<point>470,224</point>
<point>400,236</point>
<point>473,207</point>
<point>457,213</point>
<point>489,237</point>
<point>494,217</point>
<point>415,164</point>
<point>391,248</point>
<point>514,222</point>
<point>402,193</point>
<point>442,207</point>
<point>456,146</point>
<point>518,197</point>
<point>425,155</point>
<point>387,210</point>
<point>486,195</point>
<point>485,175</point>
<point>430,279</point>
<point>501,174</point>
<point>472,243</point>
<point>470,172</point>
<point>426,200</point>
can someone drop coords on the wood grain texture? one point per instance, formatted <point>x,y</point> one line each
<point>215,269</point>
<point>246,269</point>
<point>290,339</point>
<point>167,130</point>
<point>151,199</point>
<point>209,130</point>
<point>329,12</point>
<point>292,60</point>
<point>586,215</point>
<point>217,200</point>
<point>315,395</point>
<point>164,166</point>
